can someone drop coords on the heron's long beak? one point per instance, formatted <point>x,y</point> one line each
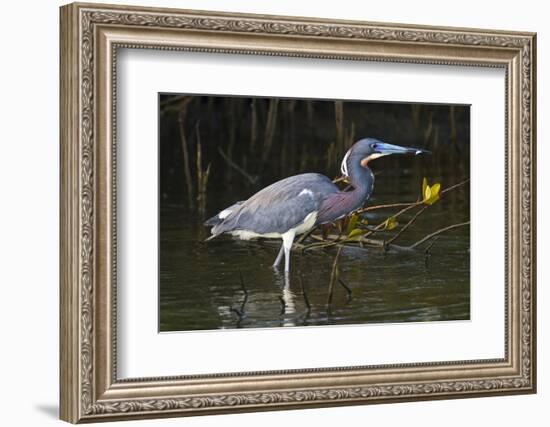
<point>384,149</point>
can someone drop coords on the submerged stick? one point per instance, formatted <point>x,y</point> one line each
<point>427,253</point>
<point>245,299</point>
<point>346,287</point>
<point>306,299</point>
<point>241,316</point>
<point>333,277</point>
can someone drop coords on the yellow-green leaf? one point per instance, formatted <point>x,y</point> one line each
<point>390,223</point>
<point>434,194</point>
<point>435,189</point>
<point>352,223</point>
<point>356,232</point>
<point>427,193</point>
<point>424,187</point>
<point>430,193</point>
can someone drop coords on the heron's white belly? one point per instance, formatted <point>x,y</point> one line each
<point>309,222</point>
<point>304,227</point>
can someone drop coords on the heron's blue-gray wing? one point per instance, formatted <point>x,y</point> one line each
<point>280,206</point>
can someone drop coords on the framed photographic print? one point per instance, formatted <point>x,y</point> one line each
<point>266,212</point>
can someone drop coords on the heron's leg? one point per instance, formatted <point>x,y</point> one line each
<point>279,257</point>
<point>288,238</point>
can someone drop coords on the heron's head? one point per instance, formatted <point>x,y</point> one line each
<point>368,149</point>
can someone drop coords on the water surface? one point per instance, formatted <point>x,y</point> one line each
<point>227,283</point>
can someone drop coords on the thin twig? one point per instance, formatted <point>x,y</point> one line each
<point>323,243</point>
<point>452,187</point>
<point>438,232</point>
<point>408,224</point>
<point>409,205</point>
<point>413,205</point>
<point>253,180</point>
<point>387,206</point>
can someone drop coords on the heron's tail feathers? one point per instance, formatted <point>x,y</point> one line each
<point>215,220</point>
<point>223,215</point>
<point>211,237</point>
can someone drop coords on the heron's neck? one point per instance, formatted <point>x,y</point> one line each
<point>362,180</point>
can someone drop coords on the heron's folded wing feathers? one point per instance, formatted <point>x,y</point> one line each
<point>280,206</point>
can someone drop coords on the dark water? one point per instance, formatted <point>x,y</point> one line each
<point>200,283</point>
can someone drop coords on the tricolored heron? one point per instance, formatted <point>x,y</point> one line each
<point>296,204</point>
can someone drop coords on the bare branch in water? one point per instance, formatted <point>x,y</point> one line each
<point>427,253</point>
<point>437,233</point>
<point>245,299</point>
<point>241,316</point>
<point>346,287</point>
<point>333,277</point>
<point>407,225</point>
<point>306,299</point>
<point>331,240</point>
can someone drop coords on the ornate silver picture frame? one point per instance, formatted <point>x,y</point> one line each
<point>91,34</point>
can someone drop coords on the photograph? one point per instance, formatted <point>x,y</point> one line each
<point>279,212</point>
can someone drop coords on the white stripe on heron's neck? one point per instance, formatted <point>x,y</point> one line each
<point>344,165</point>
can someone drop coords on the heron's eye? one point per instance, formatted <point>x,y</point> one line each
<point>374,146</point>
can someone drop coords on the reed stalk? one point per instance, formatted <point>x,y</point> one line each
<point>339,125</point>
<point>253,125</point>
<point>270,128</point>
<point>185,149</point>
<point>202,176</point>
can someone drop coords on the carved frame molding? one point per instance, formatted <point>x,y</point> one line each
<point>90,37</point>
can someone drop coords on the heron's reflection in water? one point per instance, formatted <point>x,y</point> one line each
<point>287,298</point>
